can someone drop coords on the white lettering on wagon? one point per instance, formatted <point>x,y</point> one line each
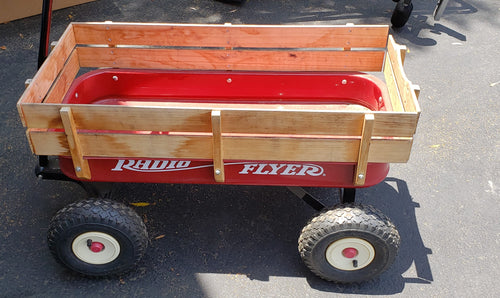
<point>149,165</point>
<point>156,166</point>
<point>282,169</point>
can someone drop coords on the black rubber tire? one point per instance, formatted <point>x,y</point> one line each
<point>349,221</point>
<point>118,221</point>
<point>401,14</point>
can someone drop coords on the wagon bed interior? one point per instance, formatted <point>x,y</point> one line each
<point>279,90</point>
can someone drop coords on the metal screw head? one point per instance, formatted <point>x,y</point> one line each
<point>344,82</point>
<point>78,169</point>
<point>76,95</point>
<point>115,78</point>
<point>361,176</point>
<point>217,172</point>
<point>229,80</point>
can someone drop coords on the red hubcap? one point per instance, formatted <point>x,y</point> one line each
<point>350,252</point>
<point>96,246</point>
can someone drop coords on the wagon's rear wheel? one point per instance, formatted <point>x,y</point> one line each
<point>97,237</point>
<point>350,243</point>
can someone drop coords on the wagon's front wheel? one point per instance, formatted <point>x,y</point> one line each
<point>350,243</point>
<point>97,237</point>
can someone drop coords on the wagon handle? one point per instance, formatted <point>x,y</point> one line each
<point>43,52</point>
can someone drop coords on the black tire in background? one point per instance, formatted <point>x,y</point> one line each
<point>113,230</point>
<point>372,235</point>
<point>401,13</point>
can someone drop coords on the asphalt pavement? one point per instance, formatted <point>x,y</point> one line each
<point>241,241</point>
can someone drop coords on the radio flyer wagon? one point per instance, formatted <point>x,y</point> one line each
<point>222,104</point>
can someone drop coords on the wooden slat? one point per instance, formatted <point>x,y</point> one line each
<point>235,147</point>
<point>390,150</point>
<point>150,34</point>
<point>310,36</point>
<point>392,86</point>
<point>395,124</point>
<point>49,71</point>
<point>81,165</point>
<point>257,121</point>
<point>64,81</point>
<point>101,117</point>
<point>29,139</point>
<point>408,97</point>
<point>316,123</point>
<point>326,150</point>
<point>125,145</point>
<point>231,59</point>
<point>364,149</point>
<point>218,156</point>
<point>232,36</point>
<point>48,142</point>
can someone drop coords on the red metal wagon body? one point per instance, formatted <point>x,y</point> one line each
<point>348,91</point>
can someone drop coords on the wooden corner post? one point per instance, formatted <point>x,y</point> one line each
<point>217,146</point>
<point>81,165</point>
<point>364,149</point>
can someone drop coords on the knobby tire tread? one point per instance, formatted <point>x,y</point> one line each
<point>346,217</point>
<point>106,212</point>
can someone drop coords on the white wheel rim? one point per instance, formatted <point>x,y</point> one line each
<point>82,251</point>
<point>336,258</point>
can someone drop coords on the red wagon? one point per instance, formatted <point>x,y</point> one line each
<point>223,104</point>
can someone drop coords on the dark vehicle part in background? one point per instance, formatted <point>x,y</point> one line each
<point>401,13</point>
<point>440,7</point>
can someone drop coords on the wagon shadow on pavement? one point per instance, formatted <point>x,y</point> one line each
<point>204,234</point>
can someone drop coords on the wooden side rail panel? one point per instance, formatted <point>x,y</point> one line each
<point>402,92</point>
<point>231,47</point>
<point>332,136</point>
<point>49,72</point>
<point>293,48</point>
<point>231,36</point>
<point>64,80</point>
